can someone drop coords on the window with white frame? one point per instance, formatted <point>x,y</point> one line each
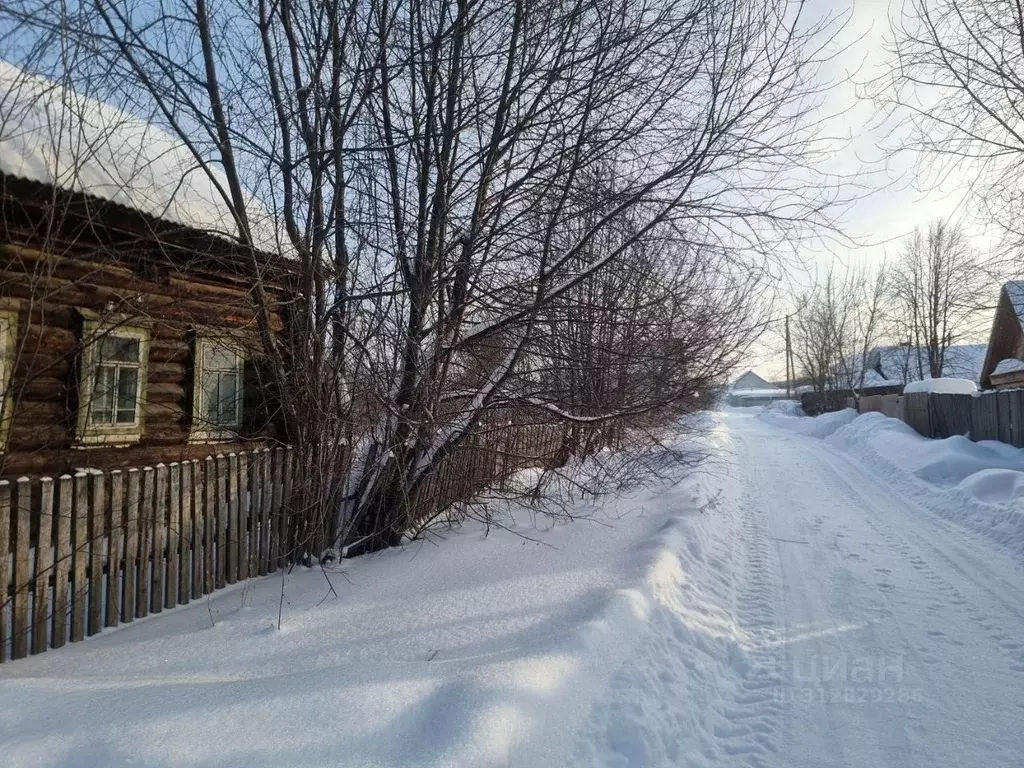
<point>8,334</point>
<point>113,382</point>
<point>217,391</point>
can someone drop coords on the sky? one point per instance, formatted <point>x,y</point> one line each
<point>895,197</point>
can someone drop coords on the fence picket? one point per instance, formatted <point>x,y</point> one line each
<point>80,553</point>
<point>20,628</point>
<point>198,545</point>
<point>62,561</point>
<point>156,602</point>
<point>275,511</point>
<point>96,540</point>
<point>263,479</point>
<point>131,547</point>
<point>222,521</point>
<point>173,533</point>
<point>44,566</point>
<point>242,507</point>
<point>114,546</point>
<point>5,544</point>
<point>146,567</point>
<point>287,547</point>
<point>185,535</point>
<point>209,522</point>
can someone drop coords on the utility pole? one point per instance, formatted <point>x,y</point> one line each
<point>789,364</point>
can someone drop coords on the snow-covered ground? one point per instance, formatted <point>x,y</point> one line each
<point>829,592</point>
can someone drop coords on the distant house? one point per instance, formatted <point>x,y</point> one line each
<point>889,368</point>
<point>750,389</point>
<point>127,330</point>
<point>1004,358</point>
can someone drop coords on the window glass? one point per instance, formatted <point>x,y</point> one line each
<point>220,386</point>
<point>119,349</point>
<point>115,391</point>
<point>127,394</point>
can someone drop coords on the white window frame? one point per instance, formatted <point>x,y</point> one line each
<point>94,329</point>
<point>203,431</point>
<point>8,340</point>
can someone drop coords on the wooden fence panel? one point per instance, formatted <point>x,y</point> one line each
<point>131,546</point>
<point>917,413</point>
<point>22,575</point>
<point>44,567</point>
<point>242,503</point>
<point>156,601</point>
<point>147,539</point>
<point>96,541</point>
<point>209,524</point>
<point>222,520</point>
<point>1004,417</point>
<point>984,417</point>
<point>62,561</point>
<point>114,546</point>
<point>173,533</point>
<point>232,513</point>
<point>145,543</point>
<point>266,479</point>
<point>184,555</point>
<point>1015,409</point>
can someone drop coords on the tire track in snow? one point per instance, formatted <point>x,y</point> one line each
<point>972,606</point>
<point>881,584</point>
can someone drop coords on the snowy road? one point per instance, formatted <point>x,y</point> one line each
<point>897,638</point>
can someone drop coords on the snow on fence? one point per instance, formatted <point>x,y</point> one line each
<point>98,549</point>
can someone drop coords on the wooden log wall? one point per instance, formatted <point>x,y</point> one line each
<point>49,290</point>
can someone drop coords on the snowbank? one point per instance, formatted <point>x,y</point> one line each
<point>986,477</point>
<point>942,386</point>
<point>819,426</point>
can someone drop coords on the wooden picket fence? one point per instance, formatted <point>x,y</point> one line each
<point>99,549</point>
<point>81,553</point>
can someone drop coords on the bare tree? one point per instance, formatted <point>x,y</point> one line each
<point>839,320</point>
<point>958,82</point>
<point>936,287</point>
<point>460,189</point>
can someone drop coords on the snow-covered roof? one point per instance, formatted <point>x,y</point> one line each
<point>53,135</point>
<point>894,366</point>
<point>1009,365</point>
<point>751,381</point>
<point>758,393</point>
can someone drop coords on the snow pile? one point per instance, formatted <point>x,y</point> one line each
<point>946,386</point>
<point>52,135</point>
<point>785,408</point>
<point>819,426</point>
<point>985,478</point>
